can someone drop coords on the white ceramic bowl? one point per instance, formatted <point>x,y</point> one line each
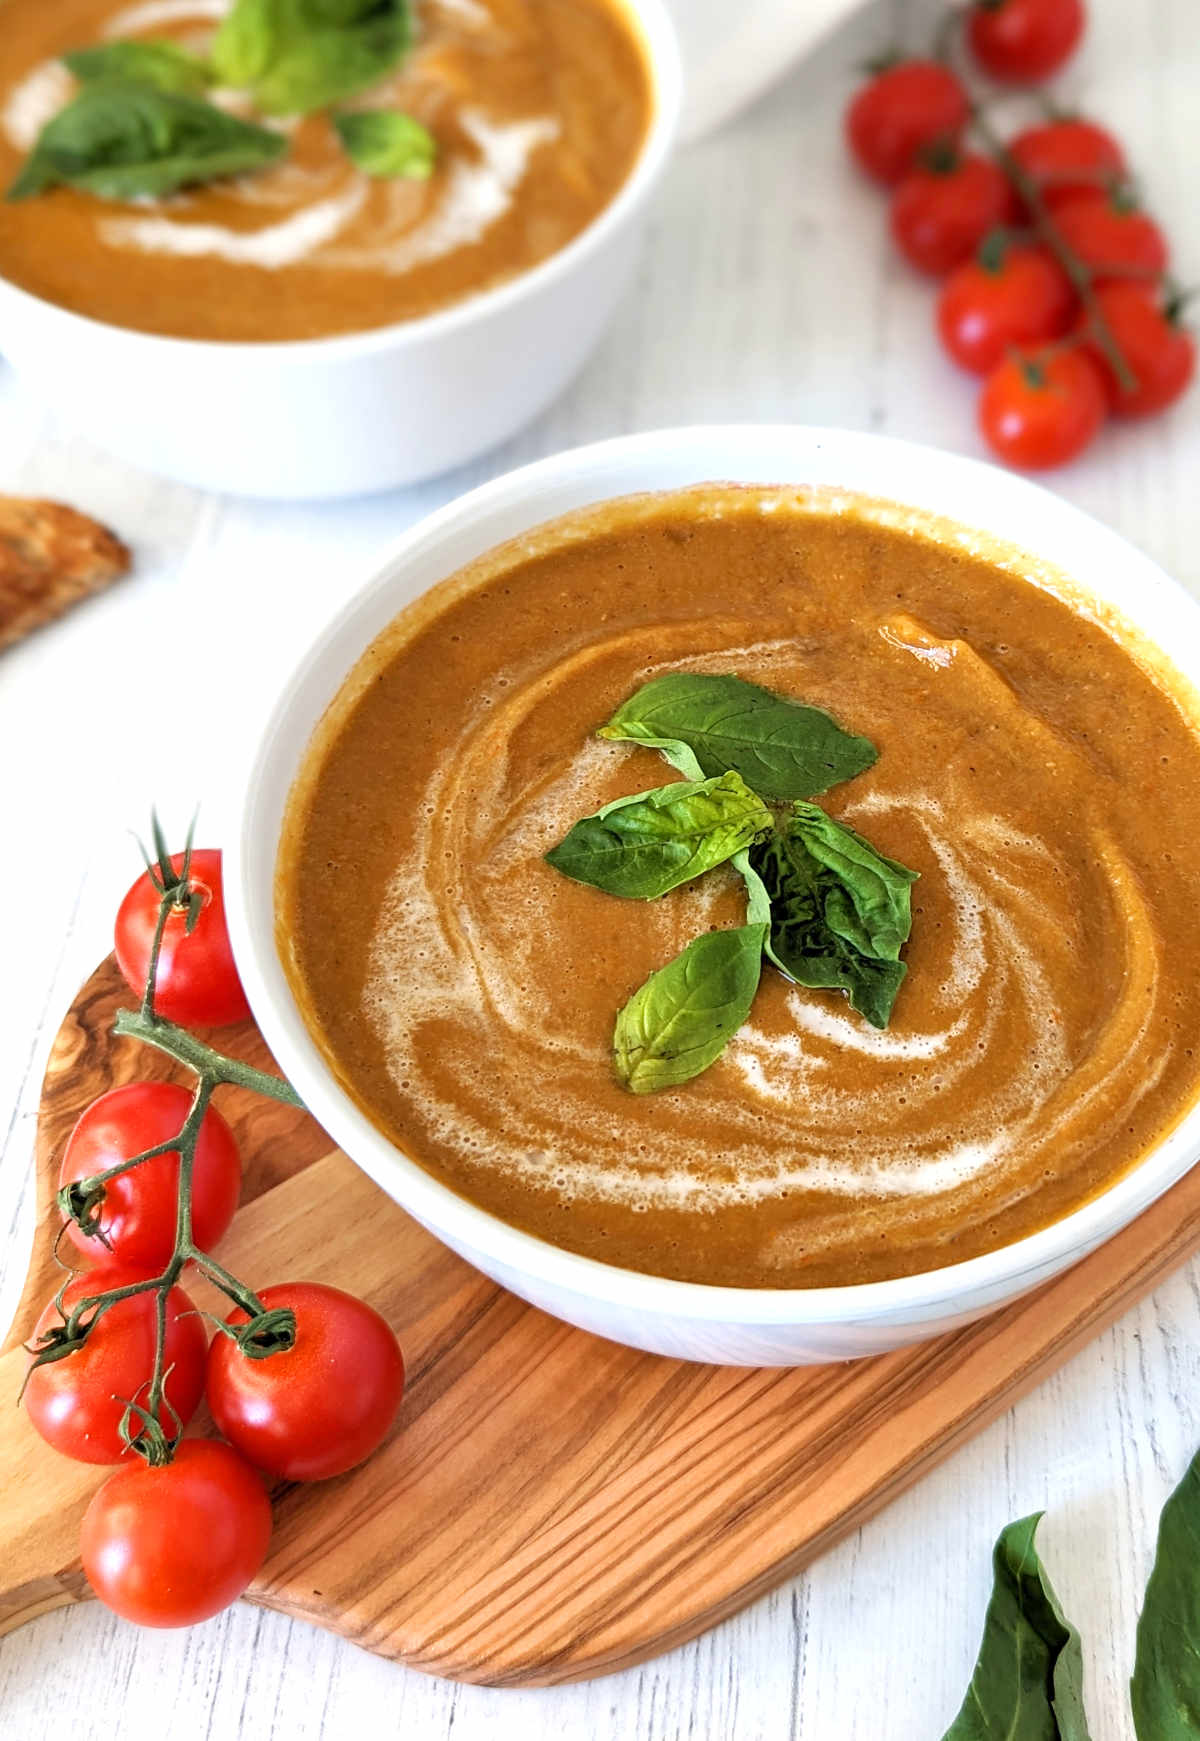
<point>366,411</point>
<point>734,1325</point>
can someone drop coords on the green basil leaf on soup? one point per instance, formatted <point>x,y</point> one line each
<point>122,141</point>
<point>164,65</point>
<point>387,143</point>
<point>299,55</point>
<point>782,749</point>
<point>840,910</point>
<point>1028,1679</point>
<point>681,1020</point>
<point>642,846</point>
<point>1166,1672</point>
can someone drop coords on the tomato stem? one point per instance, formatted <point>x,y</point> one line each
<point>1049,233</point>
<point>267,1332</point>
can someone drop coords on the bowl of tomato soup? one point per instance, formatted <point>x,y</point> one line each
<point>308,293</point>
<point>724,1110</point>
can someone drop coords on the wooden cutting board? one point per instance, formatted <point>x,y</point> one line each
<point>550,1506</point>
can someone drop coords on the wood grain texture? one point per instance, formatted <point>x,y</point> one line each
<point>551,1506</point>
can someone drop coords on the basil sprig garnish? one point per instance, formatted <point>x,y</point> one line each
<point>829,910</point>
<point>840,911</point>
<point>1028,1679</point>
<point>295,56</point>
<point>781,748</point>
<point>164,65</point>
<point>124,140</point>
<point>642,847</point>
<point>387,143</point>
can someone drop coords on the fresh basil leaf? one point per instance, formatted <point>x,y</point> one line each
<point>1028,1679</point>
<point>164,65</point>
<point>300,55</point>
<point>1165,1688</point>
<point>679,1022</point>
<point>781,748</point>
<point>121,140</point>
<point>643,846</point>
<point>840,911</point>
<point>386,143</point>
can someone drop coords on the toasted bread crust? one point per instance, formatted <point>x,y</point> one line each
<point>50,557</point>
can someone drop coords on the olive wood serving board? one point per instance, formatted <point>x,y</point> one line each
<point>550,1506</point>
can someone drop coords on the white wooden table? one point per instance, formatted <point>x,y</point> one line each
<point>768,292</point>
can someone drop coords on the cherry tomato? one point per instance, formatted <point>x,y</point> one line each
<point>320,1407</point>
<point>174,1545</point>
<point>1160,352</point>
<point>1024,40</point>
<point>890,120</point>
<point>1042,411</point>
<point>76,1403</point>
<point>941,213</point>
<point>138,1211</point>
<point>988,307</point>
<point>1111,236</point>
<point>197,980</point>
<point>1068,157</point>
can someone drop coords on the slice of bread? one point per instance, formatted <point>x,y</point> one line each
<point>51,556</point>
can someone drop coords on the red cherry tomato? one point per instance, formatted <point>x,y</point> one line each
<point>76,1403</point>
<point>138,1212</point>
<point>1068,157</point>
<point>1024,40</point>
<point>1160,352</point>
<point>987,308</point>
<point>913,104</point>
<point>197,981</point>
<point>320,1407</point>
<point>174,1545</point>
<point>1038,412</point>
<point>1112,237</point>
<point>940,215</point>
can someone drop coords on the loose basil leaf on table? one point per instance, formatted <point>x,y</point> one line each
<point>840,910</point>
<point>1028,1679</point>
<point>680,1021</point>
<point>121,140</point>
<point>1165,1688</point>
<point>300,55</point>
<point>164,65</point>
<point>387,143</point>
<point>781,748</point>
<point>642,846</point>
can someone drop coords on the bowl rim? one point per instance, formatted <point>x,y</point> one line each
<point>655,31</point>
<point>996,1275</point>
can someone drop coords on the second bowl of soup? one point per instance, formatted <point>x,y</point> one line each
<point>745,904</point>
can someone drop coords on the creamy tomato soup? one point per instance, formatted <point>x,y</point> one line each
<point>1036,766</point>
<point>538,109</point>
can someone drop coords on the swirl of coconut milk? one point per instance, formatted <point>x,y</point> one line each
<point>410,223</point>
<point>824,1104</point>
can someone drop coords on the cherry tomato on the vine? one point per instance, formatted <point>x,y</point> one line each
<point>1020,298</point>
<point>1111,236</point>
<point>76,1403</point>
<point>319,1407</point>
<point>197,980</point>
<point>1068,157</point>
<point>911,105</point>
<point>1040,411</point>
<point>174,1545</point>
<point>1024,40</point>
<point>942,211</point>
<point>138,1212</point>
<point>1159,350</point>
